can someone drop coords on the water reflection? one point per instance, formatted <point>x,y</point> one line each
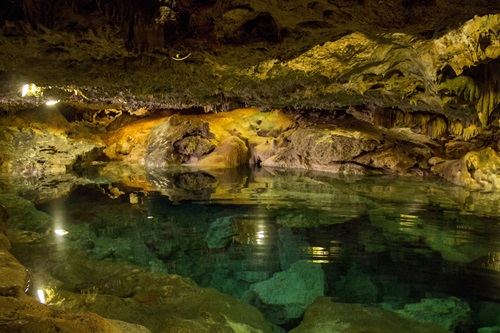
<point>379,240</point>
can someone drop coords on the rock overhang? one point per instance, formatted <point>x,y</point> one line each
<point>220,56</point>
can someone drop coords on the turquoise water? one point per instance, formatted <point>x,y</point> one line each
<point>379,241</point>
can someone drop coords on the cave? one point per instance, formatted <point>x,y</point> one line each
<point>249,166</point>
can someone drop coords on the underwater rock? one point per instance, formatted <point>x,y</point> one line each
<point>23,314</point>
<point>287,294</point>
<point>219,232</point>
<point>161,303</point>
<point>357,287</point>
<point>488,314</point>
<point>23,214</point>
<point>128,327</point>
<point>26,315</point>
<point>289,247</point>
<point>493,329</point>
<point>325,316</point>
<point>450,313</point>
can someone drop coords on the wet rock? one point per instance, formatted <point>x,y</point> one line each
<point>475,170</point>
<point>219,232</point>
<point>177,141</point>
<point>33,153</point>
<point>450,313</point>
<point>13,276</point>
<point>289,246</point>
<point>26,315</point>
<point>231,152</point>
<point>166,303</point>
<point>493,329</point>
<point>191,148</point>
<point>287,294</point>
<point>392,159</point>
<point>23,214</point>
<point>326,316</point>
<point>487,314</point>
<point>311,148</point>
<point>125,327</point>
<point>357,287</point>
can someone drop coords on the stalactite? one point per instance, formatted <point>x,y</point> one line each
<point>142,21</point>
<point>436,127</point>
<point>489,83</point>
<point>470,132</point>
<point>39,11</point>
<point>455,127</point>
<point>480,85</point>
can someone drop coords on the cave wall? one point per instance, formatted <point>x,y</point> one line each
<point>435,56</point>
<point>419,74</point>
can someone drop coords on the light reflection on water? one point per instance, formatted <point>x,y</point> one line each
<point>407,237</point>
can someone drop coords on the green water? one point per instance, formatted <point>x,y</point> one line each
<point>380,241</point>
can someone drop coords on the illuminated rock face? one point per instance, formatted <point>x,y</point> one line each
<point>422,84</point>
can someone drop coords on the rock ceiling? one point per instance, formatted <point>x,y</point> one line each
<point>432,55</point>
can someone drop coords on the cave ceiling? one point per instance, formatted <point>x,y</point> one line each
<point>427,55</point>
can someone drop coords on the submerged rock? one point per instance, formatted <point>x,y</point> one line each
<point>324,316</point>
<point>287,294</point>
<point>219,232</point>
<point>450,313</point>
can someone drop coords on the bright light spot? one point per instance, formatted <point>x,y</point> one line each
<point>150,217</point>
<point>60,232</point>
<point>51,102</point>
<point>41,296</point>
<point>408,216</point>
<point>25,90</point>
<point>261,234</point>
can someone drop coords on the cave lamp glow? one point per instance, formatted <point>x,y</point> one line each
<point>51,102</point>
<point>41,296</point>
<point>60,232</point>
<point>25,90</point>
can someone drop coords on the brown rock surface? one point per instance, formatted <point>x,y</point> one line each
<point>329,317</point>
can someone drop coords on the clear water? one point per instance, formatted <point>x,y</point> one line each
<point>381,241</point>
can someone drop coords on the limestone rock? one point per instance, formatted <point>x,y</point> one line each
<point>475,170</point>
<point>450,313</point>
<point>392,159</point>
<point>325,316</point>
<point>177,141</point>
<point>287,294</point>
<point>26,315</point>
<point>128,327</point>
<point>30,152</point>
<point>231,152</point>
<point>311,148</point>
